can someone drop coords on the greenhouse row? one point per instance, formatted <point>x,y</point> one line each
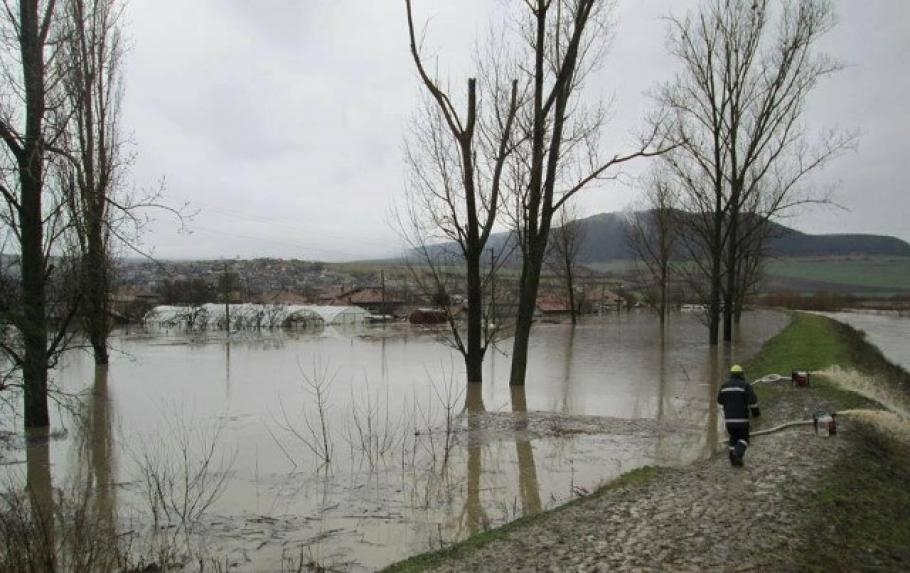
<point>249,315</point>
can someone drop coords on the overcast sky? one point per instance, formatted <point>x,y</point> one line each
<point>282,121</point>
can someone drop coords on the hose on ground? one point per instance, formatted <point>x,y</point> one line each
<point>773,377</point>
<point>770,378</point>
<point>782,427</point>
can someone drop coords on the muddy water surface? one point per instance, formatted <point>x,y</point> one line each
<point>888,330</point>
<point>601,399</point>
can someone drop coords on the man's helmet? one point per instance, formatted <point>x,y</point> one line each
<point>736,369</point>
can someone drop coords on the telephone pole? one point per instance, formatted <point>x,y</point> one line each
<point>227,300</point>
<point>493,285</point>
<point>382,289</point>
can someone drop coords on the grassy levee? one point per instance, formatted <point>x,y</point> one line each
<point>810,343</point>
<point>818,343</point>
<point>860,516</point>
<point>426,560</point>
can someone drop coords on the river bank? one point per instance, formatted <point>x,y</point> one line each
<point>801,503</point>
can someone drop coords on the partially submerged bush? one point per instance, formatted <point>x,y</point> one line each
<point>59,534</point>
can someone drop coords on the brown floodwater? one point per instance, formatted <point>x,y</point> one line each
<point>602,398</point>
<point>888,330</point>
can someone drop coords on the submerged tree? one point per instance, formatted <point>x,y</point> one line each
<point>562,43</point>
<point>736,111</point>
<point>93,82</point>
<point>562,253</point>
<point>31,120</point>
<point>653,236</point>
<point>456,162</point>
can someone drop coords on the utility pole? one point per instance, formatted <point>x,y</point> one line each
<point>493,285</point>
<point>227,300</point>
<point>382,289</point>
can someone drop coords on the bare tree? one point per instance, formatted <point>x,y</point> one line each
<point>456,164</point>
<point>653,235</point>
<point>91,63</point>
<point>752,247</point>
<point>30,125</point>
<point>736,109</point>
<point>563,251</point>
<point>561,43</point>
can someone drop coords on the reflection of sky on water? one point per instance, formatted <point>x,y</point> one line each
<point>618,367</point>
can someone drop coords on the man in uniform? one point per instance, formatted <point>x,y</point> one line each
<point>740,403</point>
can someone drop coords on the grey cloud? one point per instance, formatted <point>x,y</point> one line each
<point>283,120</point>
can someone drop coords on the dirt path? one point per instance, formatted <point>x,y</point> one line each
<point>708,516</point>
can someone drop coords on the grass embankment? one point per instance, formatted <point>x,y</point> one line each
<point>859,516</point>
<point>827,348</point>
<point>427,560</point>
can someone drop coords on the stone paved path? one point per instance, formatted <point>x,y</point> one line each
<point>708,516</point>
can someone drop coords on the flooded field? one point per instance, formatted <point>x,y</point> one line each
<point>415,460</point>
<point>888,330</point>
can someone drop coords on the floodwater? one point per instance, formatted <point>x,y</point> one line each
<point>602,398</point>
<point>888,330</point>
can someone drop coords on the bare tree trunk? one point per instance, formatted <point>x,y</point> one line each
<point>34,332</point>
<point>473,358</point>
<point>527,303</point>
<point>730,292</point>
<point>31,174</point>
<point>716,266</point>
<point>95,264</point>
<point>664,278</point>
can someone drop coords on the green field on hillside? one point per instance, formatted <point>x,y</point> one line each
<point>880,273</point>
<point>874,275</point>
<point>871,272</point>
<point>614,266</point>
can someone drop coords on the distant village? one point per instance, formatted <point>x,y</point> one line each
<point>391,291</point>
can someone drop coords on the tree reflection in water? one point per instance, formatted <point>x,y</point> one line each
<point>39,485</point>
<point>98,444</point>
<point>529,488</point>
<point>474,517</point>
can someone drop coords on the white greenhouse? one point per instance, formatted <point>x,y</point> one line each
<point>248,316</point>
<point>340,315</point>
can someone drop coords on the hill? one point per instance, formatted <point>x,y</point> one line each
<point>606,240</point>
<point>866,264</point>
<point>606,234</point>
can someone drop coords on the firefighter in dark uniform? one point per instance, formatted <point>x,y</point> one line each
<point>740,403</point>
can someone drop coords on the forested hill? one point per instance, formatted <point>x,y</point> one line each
<point>792,243</point>
<point>606,239</point>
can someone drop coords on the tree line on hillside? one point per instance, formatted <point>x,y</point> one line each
<point>727,141</point>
